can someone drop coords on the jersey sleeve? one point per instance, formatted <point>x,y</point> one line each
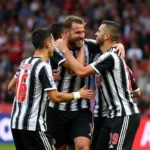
<point>103,63</point>
<point>46,78</point>
<point>133,83</point>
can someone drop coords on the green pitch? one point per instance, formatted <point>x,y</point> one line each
<point>7,147</point>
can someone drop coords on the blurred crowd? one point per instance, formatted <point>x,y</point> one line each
<point>18,18</point>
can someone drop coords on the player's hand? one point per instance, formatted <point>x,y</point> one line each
<point>120,50</point>
<point>55,75</point>
<point>53,147</point>
<point>87,94</point>
<point>62,45</point>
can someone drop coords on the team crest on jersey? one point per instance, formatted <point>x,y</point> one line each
<point>98,79</point>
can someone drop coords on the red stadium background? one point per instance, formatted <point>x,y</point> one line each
<point>142,140</point>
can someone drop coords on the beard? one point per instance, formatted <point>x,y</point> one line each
<point>75,44</point>
<point>100,42</point>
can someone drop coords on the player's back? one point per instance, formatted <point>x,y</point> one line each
<point>30,100</point>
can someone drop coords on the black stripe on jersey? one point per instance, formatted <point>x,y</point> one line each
<point>17,118</point>
<point>62,74</point>
<point>124,80</point>
<point>77,105</point>
<point>37,124</point>
<point>109,92</point>
<point>44,114</point>
<point>101,90</point>
<point>99,101</point>
<point>57,56</point>
<point>43,77</point>
<point>81,85</point>
<point>123,110</point>
<point>14,109</point>
<point>71,87</point>
<point>31,93</point>
<point>124,83</point>
<point>92,46</point>
<point>88,101</point>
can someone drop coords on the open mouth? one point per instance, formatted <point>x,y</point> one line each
<point>79,41</point>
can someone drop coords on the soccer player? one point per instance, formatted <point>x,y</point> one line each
<point>34,83</point>
<point>74,118</point>
<point>123,118</point>
<point>100,112</point>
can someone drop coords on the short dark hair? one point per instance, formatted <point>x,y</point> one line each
<point>113,28</point>
<point>39,36</point>
<point>57,30</point>
<point>67,24</point>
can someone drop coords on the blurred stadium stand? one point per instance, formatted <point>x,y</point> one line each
<point>18,18</point>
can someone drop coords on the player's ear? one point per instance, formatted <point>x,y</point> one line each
<point>47,44</point>
<point>107,35</point>
<point>65,32</point>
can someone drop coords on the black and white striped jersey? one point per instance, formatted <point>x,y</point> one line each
<point>34,78</point>
<point>113,92</point>
<point>100,107</point>
<point>71,82</point>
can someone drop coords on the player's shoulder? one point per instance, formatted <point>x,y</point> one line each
<point>108,55</point>
<point>38,61</point>
<point>112,51</point>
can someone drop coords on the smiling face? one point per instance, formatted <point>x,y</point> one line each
<point>76,36</point>
<point>100,35</point>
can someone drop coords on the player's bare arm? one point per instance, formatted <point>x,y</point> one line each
<point>80,56</point>
<point>80,70</point>
<point>12,85</point>
<point>56,96</point>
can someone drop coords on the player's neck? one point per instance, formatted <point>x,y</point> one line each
<point>107,45</point>
<point>42,54</point>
